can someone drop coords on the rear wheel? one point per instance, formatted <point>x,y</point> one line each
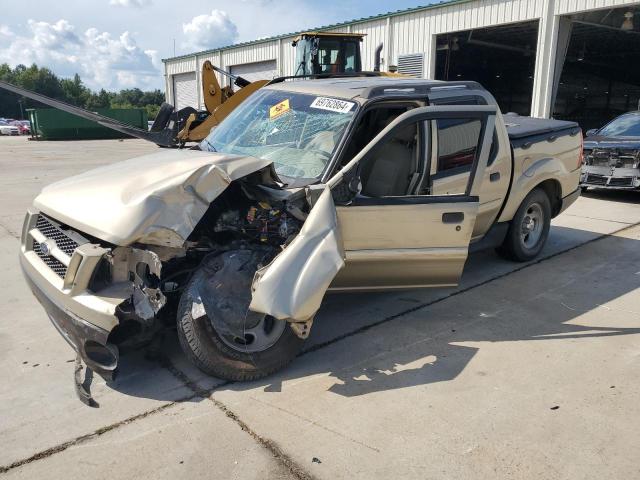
<point>259,348</point>
<point>529,229</point>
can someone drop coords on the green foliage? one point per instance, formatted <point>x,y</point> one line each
<point>71,90</point>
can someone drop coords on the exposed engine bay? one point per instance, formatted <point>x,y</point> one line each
<point>244,218</point>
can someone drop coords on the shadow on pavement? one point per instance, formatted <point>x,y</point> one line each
<point>621,196</point>
<point>423,345</point>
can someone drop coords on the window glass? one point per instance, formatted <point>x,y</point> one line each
<point>458,141</point>
<point>624,126</point>
<point>350,52</point>
<point>298,132</point>
<point>328,56</point>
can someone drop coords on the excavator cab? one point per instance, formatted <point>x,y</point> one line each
<point>323,52</point>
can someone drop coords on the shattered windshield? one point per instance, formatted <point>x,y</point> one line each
<point>624,126</point>
<point>298,132</point>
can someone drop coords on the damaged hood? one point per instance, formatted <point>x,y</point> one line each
<point>156,199</point>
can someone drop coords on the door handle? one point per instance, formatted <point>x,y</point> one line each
<point>452,217</point>
<point>494,177</point>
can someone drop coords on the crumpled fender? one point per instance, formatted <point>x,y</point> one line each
<point>293,285</point>
<point>157,199</point>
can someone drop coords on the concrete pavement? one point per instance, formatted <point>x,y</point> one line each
<point>459,383</point>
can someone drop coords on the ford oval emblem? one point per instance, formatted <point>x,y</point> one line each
<point>45,248</point>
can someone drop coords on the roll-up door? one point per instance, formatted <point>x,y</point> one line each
<point>185,93</point>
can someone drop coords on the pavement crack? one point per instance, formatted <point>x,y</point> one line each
<point>90,436</point>
<point>319,425</point>
<point>600,219</point>
<point>9,232</point>
<point>280,455</point>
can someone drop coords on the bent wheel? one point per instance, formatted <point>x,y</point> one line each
<point>220,335</point>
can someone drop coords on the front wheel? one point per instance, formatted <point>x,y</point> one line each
<point>220,335</point>
<point>529,228</point>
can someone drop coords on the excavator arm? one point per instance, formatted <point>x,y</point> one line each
<point>171,128</point>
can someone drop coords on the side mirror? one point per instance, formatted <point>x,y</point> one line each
<point>591,132</point>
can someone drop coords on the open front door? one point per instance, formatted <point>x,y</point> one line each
<point>392,236</point>
<point>416,238</point>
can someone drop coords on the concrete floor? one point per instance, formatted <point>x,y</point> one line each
<point>524,371</point>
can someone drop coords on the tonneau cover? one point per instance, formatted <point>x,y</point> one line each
<point>520,127</point>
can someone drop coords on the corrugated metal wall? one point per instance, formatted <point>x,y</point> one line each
<point>402,33</point>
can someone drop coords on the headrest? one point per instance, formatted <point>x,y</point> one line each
<point>404,135</point>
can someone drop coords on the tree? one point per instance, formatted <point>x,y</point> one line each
<point>71,90</point>
<point>100,100</point>
<point>74,91</point>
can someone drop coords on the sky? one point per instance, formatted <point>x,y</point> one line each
<point>115,44</point>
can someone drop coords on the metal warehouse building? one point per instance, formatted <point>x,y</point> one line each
<point>573,59</point>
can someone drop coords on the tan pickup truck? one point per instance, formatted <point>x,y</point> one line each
<point>343,184</point>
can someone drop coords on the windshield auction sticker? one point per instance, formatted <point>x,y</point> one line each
<point>279,109</point>
<point>332,104</point>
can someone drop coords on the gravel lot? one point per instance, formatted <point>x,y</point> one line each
<point>524,371</point>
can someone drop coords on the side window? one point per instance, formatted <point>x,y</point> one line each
<point>458,141</point>
<point>470,100</point>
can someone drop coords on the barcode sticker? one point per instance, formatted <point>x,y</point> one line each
<point>332,104</point>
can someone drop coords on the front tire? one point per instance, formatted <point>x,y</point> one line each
<point>266,347</point>
<point>529,228</point>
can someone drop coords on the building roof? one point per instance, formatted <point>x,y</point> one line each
<point>442,3</point>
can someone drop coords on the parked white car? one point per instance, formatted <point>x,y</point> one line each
<point>6,129</point>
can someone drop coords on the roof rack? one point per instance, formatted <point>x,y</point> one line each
<point>319,76</point>
<point>426,88</point>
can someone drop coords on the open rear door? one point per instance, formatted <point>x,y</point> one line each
<point>388,242</point>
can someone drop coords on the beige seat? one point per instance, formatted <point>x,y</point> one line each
<point>390,170</point>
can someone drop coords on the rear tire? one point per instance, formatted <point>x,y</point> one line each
<point>529,228</point>
<point>584,189</point>
<point>219,356</point>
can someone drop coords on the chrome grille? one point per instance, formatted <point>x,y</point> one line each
<point>49,230</point>
<point>53,263</point>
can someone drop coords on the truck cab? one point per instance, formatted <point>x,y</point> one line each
<point>327,53</point>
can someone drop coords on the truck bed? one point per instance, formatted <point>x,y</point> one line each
<point>527,130</point>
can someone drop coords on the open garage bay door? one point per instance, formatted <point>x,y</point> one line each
<point>256,71</point>
<point>501,58</point>
<point>600,78</point>
<point>185,93</point>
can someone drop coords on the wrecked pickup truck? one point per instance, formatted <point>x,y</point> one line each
<point>343,184</point>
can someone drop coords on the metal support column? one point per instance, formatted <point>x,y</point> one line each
<point>545,61</point>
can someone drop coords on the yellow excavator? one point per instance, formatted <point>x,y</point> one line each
<point>318,55</point>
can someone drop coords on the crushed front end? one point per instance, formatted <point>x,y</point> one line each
<point>605,167</point>
<point>94,294</point>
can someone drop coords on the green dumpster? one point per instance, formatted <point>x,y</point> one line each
<point>54,124</point>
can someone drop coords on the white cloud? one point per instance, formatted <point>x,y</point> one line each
<point>130,3</point>
<point>204,32</point>
<point>102,60</point>
<point>5,31</point>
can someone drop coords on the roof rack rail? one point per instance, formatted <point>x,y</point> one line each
<point>318,76</point>
<point>418,88</point>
